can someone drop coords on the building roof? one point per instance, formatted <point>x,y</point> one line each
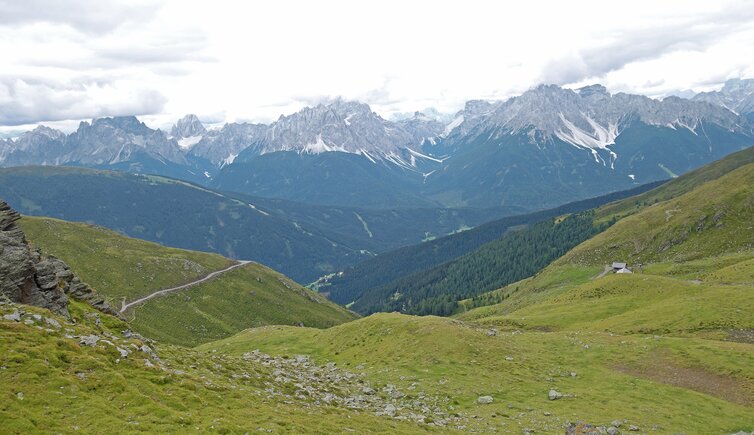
<point>617,265</point>
<point>624,270</point>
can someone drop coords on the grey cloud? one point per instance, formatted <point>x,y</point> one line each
<point>86,16</point>
<point>643,44</point>
<point>166,56</point>
<point>179,48</point>
<point>23,102</point>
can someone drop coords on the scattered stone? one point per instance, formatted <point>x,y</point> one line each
<point>616,423</point>
<point>554,395</point>
<point>612,430</point>
<point>37,317</point>
<point>573,374</point>
<point>89,340</point>
<point>633,428</point>
<point>123,352</point>
<point>509,358</point>
<point>484,400</point>
<point>52,322</point>
<point>368,391</point>
<point>13,317</point>
<point>491,332</point>
<point>20,395</point>
<point>148,363</point>
<point>390,410</point>
<point>547,414</point>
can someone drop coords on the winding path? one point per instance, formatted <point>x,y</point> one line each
<point>181,287</point>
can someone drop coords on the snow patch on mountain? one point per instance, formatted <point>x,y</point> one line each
<point>453,124</point>
<point>599,137</point>
<point>188,142</point>
<point>424,156</point>
<point>230,159</point>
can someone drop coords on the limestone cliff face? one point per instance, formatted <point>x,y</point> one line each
<point>28,277</point>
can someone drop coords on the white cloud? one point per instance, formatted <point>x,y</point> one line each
<point>258,60</point>
<point>26,101</point>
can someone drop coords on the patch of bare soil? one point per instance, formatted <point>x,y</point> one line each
<point>662,369</point>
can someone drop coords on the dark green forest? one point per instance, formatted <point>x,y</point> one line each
<point>514,257</point>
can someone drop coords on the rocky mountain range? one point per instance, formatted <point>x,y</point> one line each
<point>567,143</point>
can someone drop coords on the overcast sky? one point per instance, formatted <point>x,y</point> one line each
<point>63,61</point>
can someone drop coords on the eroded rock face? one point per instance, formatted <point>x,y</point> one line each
<point>28,277</point>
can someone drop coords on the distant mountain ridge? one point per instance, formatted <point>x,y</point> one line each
<point>550,143</point>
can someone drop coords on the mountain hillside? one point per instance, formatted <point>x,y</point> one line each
<point>350,284</point>
<point>691,258</point>
<point>124,270</point>
<point>301,241</point>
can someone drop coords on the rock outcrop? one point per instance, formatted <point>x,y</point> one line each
<point>28,277</point>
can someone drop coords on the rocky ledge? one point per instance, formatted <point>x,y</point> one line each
<point>29,277</point>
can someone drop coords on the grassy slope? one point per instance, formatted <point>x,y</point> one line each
<point>697,249</point>
<point>250,296</point>
<point>444,356</point>
<point>119,266</point>
<point>49,383</point>
<point>678,186</point>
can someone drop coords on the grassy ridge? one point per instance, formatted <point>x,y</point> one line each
<point>677,186</point>
<point>712,219</point>
<point>246,297</point>
<point>118,266</point>
<point>122,267</point>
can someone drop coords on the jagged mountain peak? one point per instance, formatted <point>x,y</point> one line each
<point>736,95</point>
<point>745,86</point>
<point>188,126</point>
<point>48,132</point>
<point>340,125</point>
<point>127,123</point>
<point>595,89</point>
<point>188,131</point>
